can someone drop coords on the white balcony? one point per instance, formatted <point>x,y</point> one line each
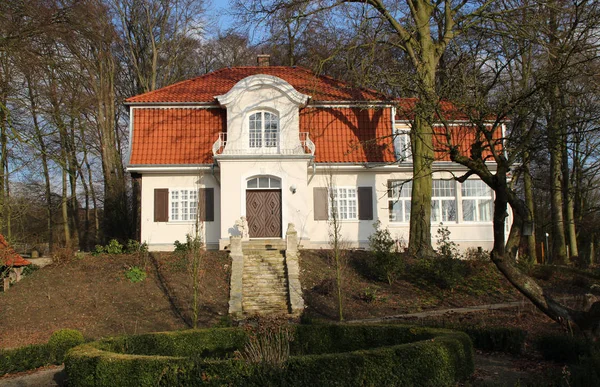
<point>273,145</point>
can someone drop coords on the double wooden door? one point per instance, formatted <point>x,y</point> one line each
<point>263,212</point>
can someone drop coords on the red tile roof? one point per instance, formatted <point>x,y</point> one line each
<point>204,88</point>
<point>344,135</point>
<point>8,256</point>
<point>175,136</point>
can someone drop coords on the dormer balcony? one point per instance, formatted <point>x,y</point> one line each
<point>271,145</point>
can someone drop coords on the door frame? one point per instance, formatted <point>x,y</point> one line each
<point>245,199</point>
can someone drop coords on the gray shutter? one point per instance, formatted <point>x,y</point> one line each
<point>320,200</point>
<point>206,204</point>
<point>365,203</point>
<point>161,205</point>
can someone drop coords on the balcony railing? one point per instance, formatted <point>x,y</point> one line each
<point>271,145</point>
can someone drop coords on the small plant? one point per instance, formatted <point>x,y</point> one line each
<point>114,247</point>
<point>134,246</point>
<point>135,274</point>
<point>190,244</point>
<point>386,264</point>
<point>369,295</point>
<point>446,247</point>
<point>99,249</point>
<point>477,254</point>
<point>268,342</point>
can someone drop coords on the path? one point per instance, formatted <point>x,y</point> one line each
<point>439,312</point>
<point>47,377</point>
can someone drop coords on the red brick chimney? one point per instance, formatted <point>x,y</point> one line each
<point>263,60</point>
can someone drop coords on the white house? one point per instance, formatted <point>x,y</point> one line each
<point>268,143</point>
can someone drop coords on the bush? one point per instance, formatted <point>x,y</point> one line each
<point>499,339</point>
<point>63,340</point>
<point>134,246</point>
<point>386,264</point>
<point>190,244</point>
<point>39,355</point>
<point>582,356</point>
<point>321,355</point>
<point>563,348</point>
<point>443,272</point>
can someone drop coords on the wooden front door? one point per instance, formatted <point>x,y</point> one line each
<point>263,211</point>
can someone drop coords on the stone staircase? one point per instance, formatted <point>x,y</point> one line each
<point>264,279</point>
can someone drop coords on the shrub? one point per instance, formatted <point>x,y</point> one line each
<point>39,355</point>
<point>563,348</point>
<point>321,355</point>
<point>114,247</point>
<point>63,340</point>
<point>443,272</point>
<point>386,264</point>
<point>134,246</point>
<point>446,247</point>
<point>477,254</point>
<point>190,244</point>
<point>134,274</point>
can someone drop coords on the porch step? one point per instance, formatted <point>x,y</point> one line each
<point>264,244</point>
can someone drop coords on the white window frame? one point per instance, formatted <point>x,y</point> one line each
<point>261,134</point>
<point>345,203</point>
<point>183,204</point>
<point>399,195</point>
<point>402,145</point>
<point>443,198</point>
<point>481,194</point>
<point>263,182</point>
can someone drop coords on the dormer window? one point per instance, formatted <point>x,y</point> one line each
<point>264,130</point>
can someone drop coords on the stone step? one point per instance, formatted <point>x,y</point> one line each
<point>263,306</point>
<point>264,244</point>
<point>265,291</point>
<point>269,270</point>
<point>249,280</point>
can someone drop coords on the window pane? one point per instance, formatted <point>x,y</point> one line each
<point>468,208</point>
<point>263,182</point>
<point>435,211</point>
<point>485,210</point>
<point>253,183</point>
<point>395,208</point>
<point>448,210</point>
<point>275,183</point>
<point>407,210</point>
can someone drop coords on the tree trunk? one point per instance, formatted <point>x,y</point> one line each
<point>568,196</point>
<point>528,191</point>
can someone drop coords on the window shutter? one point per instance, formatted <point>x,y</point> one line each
<point>206,204</point>
<point>365,203</point>
<point>161,205</point>
<point>320,200</point>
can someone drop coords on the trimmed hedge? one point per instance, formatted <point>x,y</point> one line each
<point>500,339</point>
<point>39,355</point>
<point>321,355</point>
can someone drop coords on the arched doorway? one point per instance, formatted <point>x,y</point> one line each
<point>263,207</point>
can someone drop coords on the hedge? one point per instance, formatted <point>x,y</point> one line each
<point>321,355</point>
<point>39,355</point>
<point>500,339</point>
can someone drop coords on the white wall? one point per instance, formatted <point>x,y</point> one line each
<point>234,175</point>
<point>161,235</point>
<point>357,232</point>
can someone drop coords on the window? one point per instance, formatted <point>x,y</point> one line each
<point>399,192</point>
<point>184,204</point>
<point>476,201</point>
<point>264,183</point>
<point>345,203</point>
<point>402,148</point>
<point>443,201</point>
<point>264,130</point>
